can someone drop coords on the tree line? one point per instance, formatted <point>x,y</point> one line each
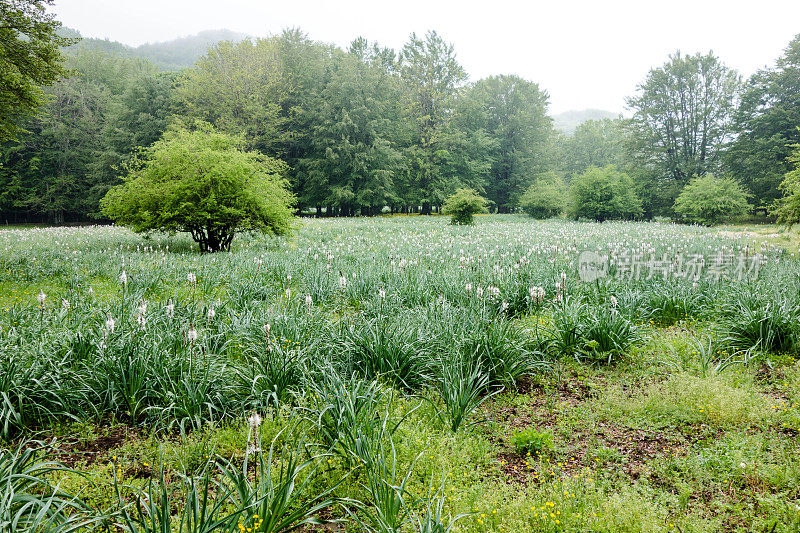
<point>370,129</point>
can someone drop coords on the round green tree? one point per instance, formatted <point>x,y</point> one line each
<point>709,200</point>
<point>545,198</point>
<point>203,183</point>
<point>604,194</point>
<point>463,205</point>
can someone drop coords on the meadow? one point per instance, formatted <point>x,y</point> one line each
<point>401,374</point>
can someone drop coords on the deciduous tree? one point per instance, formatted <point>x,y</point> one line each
<point>202,182</point>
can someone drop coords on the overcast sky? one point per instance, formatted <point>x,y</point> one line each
<point>586,54</point>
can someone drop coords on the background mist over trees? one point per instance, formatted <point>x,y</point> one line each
<point>371,129</point>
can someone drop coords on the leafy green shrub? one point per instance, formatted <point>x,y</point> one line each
<point>533,441</point>
<point>604,194</point>
<point>201,182</point>
<point>463,205</point>
<point>709,200</point>
<point>545,198</point>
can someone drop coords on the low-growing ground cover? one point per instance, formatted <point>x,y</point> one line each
<point>401,374</point>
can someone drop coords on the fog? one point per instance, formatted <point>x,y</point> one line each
<point>586,54</point>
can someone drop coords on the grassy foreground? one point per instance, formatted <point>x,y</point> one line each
<point>400,374</point>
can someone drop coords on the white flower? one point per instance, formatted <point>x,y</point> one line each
<point>123,278</point>
<point>211,313</point>
<point>288,292</point>
<point>309,300</point>
<point>191,278</point>
<point>170,309</point>
<point>191,335</point>
<point>504,305</point>
<point>468,287</point>
<point>142,309</point>
<point>536,294</point>
<point>41,297</point>
<point>613,300</point>
<point>90,291</point>
<point>267,328</point>
<point>254,420</point>
<point>381,293</point>
<point>479,292</point>
<point>110,323</point>
<point>65,304</point>
<point>342,281</point>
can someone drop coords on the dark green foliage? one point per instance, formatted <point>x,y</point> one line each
<point>766,123</point>
<point>512,112</point>
<point>710,199</point>
<point>29,59</point>
<point>604,194</point>
<point>92,123</point>
<point>591,333</point>
<point>787,208</point>
<point>463,205</point>
<point>353,162</point>
<point>392,352</point>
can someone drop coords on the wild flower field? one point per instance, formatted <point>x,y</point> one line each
<point>400,374</point>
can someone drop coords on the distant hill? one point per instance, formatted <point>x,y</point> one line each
<point>168,55</point>
<point>569,120</point>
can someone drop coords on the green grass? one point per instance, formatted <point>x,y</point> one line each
<point>402,384</point>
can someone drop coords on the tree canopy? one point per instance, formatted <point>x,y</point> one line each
<point>202,182</point>
<point>681,120</point>
<point>787,208</point>
<point>766,123</point>
<point>710,199</point>
<point>370,129</point>
<point>30,58</point>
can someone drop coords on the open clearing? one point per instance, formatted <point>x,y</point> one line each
<point>426,371</point>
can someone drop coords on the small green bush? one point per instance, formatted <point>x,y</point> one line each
<point>604,194</point>
<point>709,200</point>
<point>545,198</point>
<point>533,441</point>
<point>463,205</point>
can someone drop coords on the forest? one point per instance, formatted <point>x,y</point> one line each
<point>372,129</point>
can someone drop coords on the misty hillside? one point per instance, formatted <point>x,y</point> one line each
<point>168,55</point>
<point>569,120</point>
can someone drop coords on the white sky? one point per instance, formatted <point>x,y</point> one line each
<point>585,53</point>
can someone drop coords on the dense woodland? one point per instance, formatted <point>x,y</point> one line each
<point>371,129</point>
